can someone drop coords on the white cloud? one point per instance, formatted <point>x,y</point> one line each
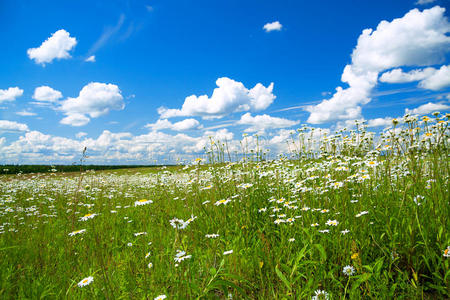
<point>274,26</point>
<point>260,123</point>
<point>379,122</point>
<point>25,113</point>
<point>437,81</point>
<point>428,108</point>
<point>10,94</point>
<point>187,124</point>
<point>107,34</point>
<point>57,46</point>
<point>398,76</point>
<point>46,94</point>
<point>229,96</point>
<point>12,126</point>
<point>430,78</point>
<point>80,135</point>
<point>75,120</point>
<point>90,58</point>
<point>423,2</point>
<point>95,99</point>
<point>419,38</point>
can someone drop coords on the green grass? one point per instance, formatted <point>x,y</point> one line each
<point>396,248</point>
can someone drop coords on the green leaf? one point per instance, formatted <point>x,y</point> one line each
<point>282,277</point>
<point>322,252</point>
<point>362,278</point>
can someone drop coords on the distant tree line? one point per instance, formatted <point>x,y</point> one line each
<point>15,169</point>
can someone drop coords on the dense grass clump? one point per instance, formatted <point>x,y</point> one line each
<point>348,215</point>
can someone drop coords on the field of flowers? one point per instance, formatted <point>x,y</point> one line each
<point>350,215</point>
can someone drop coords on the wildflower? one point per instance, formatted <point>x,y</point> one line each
<point>87,217</point>
<point>147,255</point>
<point>447,252</point>
<point>344,232</point>
<point>129,244</point>
<point>332,223</point>
<point>85,281</point>
<point>324,231</point>
<point>314,224</point>
<point>223,201</point>
<point>150,265</point>
<point>278,221</point>
<point>355,255</point>
<point>140,233</point>
<point>181,255</point>
<point>142,202</point>
<point>77,232</point>
<point>262,209</point>
<point>211,236</point>
<point>160,297</point>
<point>228,252</point>
<point>320,294</point>
<point>348,270</point>
<point>324,211</point>
<point>291,240</point>
<point>362,213</point>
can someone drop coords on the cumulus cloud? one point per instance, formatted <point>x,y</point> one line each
<point>379,122</point>
<point>12,126</point>
<point>419,38</point>
<point>260,123</point>
<point>94,100</point>
<point>80,135</point>
<point>398,76</point>
<point>46,94</point>
<point>10,94</point>
<point>437,81</point>
<point>428,108</point>
<point>274,26</point>
<point>90,58</point>
<point>230,96</point>
<point>187,124</point>
<point>55,47</point>
<point>430,78</point>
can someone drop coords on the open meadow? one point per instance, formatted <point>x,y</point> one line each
<point>347,215</point>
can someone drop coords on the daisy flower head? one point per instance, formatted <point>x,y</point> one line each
<point>332,223</point>
<point>212,235</point>
<point>348,270</point>
<point>320,294</point>
<point>150,265</point>
<point>77,232</point>
<point>85,281</point>
<point>223,201</point>
<point>228,252</point>
<point>142,202</point>
<point>446,252</point>
<point>160,297</point>
<point>362,213</point>
<point>87,217</point>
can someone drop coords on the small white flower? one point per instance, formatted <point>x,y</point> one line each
<point>348,270</point>
<point>228,252</point>
<point>85,281</point>
<point>77,232</point>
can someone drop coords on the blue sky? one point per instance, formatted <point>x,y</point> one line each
<point>153,54</point>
